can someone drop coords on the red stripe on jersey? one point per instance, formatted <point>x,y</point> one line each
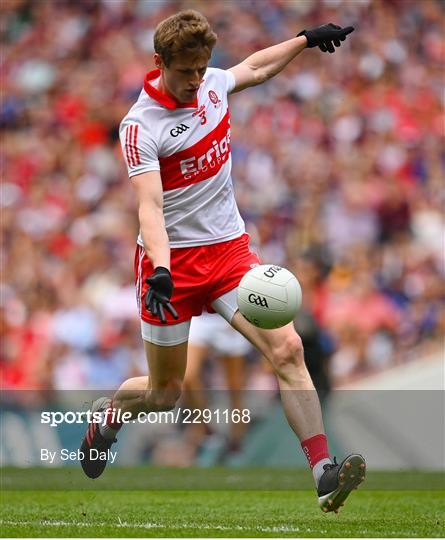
<point>130,140</point>
<point>127,146</point>
<point>135,142</point>
<point>199,162</point>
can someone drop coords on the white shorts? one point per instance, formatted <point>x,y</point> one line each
<point>211,330</point>
<point>175,334</point>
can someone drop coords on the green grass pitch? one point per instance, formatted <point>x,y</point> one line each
<point>213,503</point>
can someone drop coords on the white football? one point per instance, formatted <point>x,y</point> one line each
<point>269,296</point>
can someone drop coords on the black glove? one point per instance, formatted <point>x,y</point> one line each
<point>159,294</point>
<point>326,36</point>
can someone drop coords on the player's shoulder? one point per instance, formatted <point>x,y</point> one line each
<point>219,77</point>
<point>217,73</point>
<point>138,140</point>
<point>143,113</point>
<point>136,111</point>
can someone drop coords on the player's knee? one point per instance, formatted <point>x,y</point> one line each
<point>165,397</point>
<point>289,354</point>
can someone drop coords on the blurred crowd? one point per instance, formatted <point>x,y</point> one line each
<point>338,170</point>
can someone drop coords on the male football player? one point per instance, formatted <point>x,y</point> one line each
<point>192,250</point>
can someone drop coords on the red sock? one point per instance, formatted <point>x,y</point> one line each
<point>315,449</point>
<point>111,418</point>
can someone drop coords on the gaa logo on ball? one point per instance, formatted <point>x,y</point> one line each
<point>269,296</point>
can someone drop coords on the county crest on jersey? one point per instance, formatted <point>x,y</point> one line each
<point>190,146</point>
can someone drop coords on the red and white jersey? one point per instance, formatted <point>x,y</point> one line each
<point>190,146</point>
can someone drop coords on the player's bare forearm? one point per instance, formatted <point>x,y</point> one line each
<point>265,64</point>
<point>154,235</point>
<point>148,187</point>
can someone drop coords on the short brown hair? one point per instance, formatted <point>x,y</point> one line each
<point>186,32</point>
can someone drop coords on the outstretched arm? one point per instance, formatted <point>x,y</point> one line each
<point>265,64</point>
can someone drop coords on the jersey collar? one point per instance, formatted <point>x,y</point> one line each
<point>165,100</point>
